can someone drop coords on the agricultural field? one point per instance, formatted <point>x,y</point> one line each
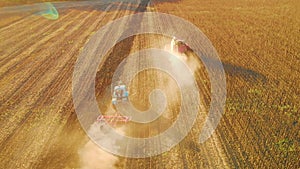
<point>258,43</point>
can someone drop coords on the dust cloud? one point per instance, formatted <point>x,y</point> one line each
<point>92,156</point>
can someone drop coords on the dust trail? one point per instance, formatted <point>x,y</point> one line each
<point>92,156</point>
<point>191,62</point>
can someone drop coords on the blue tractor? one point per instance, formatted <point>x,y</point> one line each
<point>120,93</point>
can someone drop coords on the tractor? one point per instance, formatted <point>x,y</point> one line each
<point>180,45</point>
<point>120,93</point>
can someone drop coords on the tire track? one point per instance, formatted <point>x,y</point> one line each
<point>32,81</point>
<point>26,63</point>
<point>26,58</point>
<point>36,33</point>
<point>48,67</point>
<point>70,67</point>
<point>18,23</point>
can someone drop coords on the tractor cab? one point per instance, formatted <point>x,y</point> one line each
<point>120,93</point>
<point>180,45</point>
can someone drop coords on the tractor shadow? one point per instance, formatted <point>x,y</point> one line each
<point>233,71</point>
<point>241,72</point>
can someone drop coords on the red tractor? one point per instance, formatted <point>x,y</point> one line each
<point>180,45</point>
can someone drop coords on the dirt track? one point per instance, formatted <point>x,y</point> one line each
<point>39,127</point>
